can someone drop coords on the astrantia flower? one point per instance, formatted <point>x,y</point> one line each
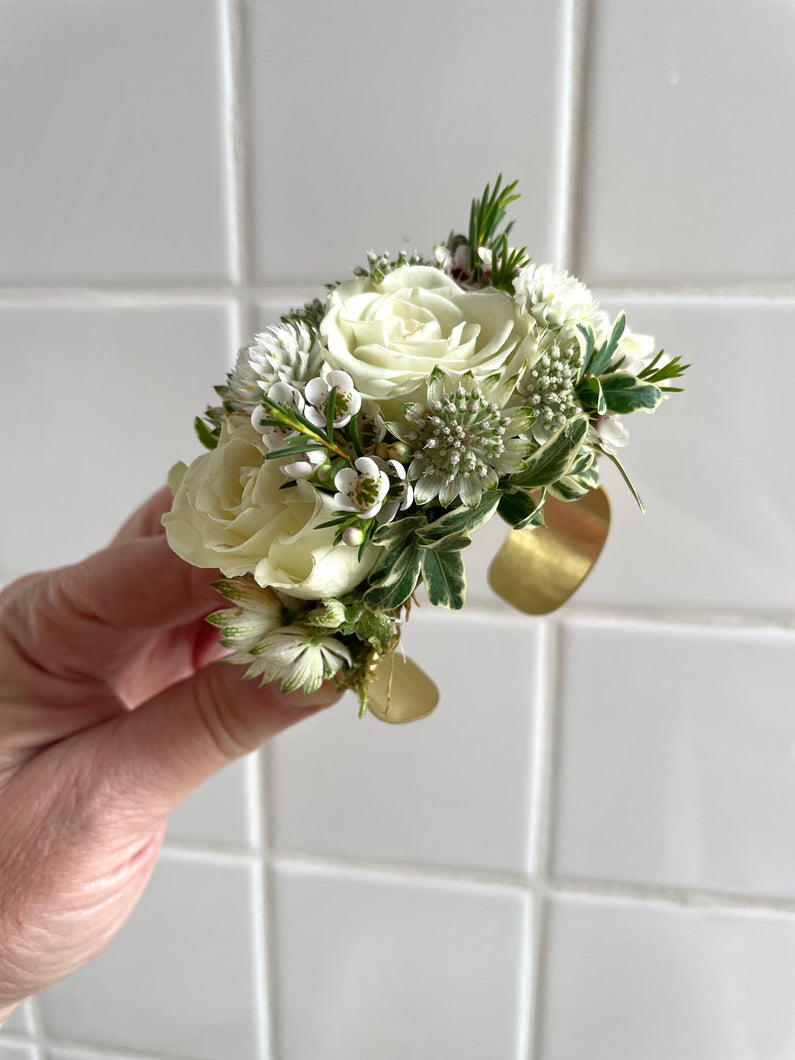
<point>361,490</point>
<point>548,387</point>
<point>555,299</point>
<point>298,657</point>
<point>464,439</point>
<point>347,400</point>
<point>257,612</point>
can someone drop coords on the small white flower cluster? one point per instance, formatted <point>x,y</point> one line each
<point>360,441</point>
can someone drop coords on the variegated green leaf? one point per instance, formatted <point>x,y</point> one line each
<point>553,460</point>
<point>460,520</point>
<point>443,575</point>
<point>399,583</point>
<point>521,510</point>
<point>626,393</point>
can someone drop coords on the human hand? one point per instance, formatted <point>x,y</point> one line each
<point>113,707</point>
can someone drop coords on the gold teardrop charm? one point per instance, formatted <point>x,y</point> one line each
<point>401,691</point>
<point>537,570</point>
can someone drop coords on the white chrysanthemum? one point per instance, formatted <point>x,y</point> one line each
<point>464,440</point>
<point>555,299</point>
<point>299,658</point>
<point>287,353</point>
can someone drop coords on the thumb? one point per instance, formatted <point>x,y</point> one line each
<point>171,744</point>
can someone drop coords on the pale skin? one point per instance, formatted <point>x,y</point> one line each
<point>114,705</point>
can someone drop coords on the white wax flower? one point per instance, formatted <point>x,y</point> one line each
<point>361,490</point>
<point>230,513</point>
<point>347,403</point>
<point>389,336</point>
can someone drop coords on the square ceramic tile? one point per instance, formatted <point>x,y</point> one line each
<point>179,978</point>
<point>676,759</point>
<point>114,156</point>
<point>370,967</point>
<point>686,176</point>
<point>451,789</point>
<point>712,466</point>
<point>19,1021</point>
<point>651,982</point>
<point>103,405</point>
<point>390,119</point>
<point>16,1051</point>
<point>220,811</point>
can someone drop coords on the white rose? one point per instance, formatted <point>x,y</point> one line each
<point>389,336</point>
<point>229,513</point>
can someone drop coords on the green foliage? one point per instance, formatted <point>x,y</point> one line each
<point>208,436</point>
<point>459,521</point>
<point>310,314</point>
<point>521,509</point>
<point>380,265</point>
<point>505,263</point>
<point>417,546</point>
<point>486,216</point>
<point>444,578</point>
<point>395,578</point>
<point>625,393</point>
<point>674,369</point>
<point>554,458</point>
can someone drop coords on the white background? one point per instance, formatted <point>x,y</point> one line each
<point>587,852</point>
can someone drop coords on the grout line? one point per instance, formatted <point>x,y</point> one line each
<point>92,1051</point>
<point>542,884</point>
<point>267,947</point>
<point>545,797</point>
<point>578,21</point>
<point>207,854</point>
<point>700,294</point>
<point>571,95</point>
<point>682,897</point>
<point>36,1027</point>
<point>233,149</point>
<point>678,621</point>
<point>484,607</point>
<point>189,294</point>
<point>400,872</point>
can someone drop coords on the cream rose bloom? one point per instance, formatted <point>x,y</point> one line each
<point>389,336</point>
<point>229,513</point>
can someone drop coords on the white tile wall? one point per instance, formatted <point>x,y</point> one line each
<point>103,400</point>
<point>181,976</point>
<point>454,791</point>
<point>16,1051</point>
<point>586,852</point>
<point>393,968</point>
<point>114,162</point>
<point>627,980</point>
<point>689,790</point>
<point>686,175</point>
<point>378,95</point>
